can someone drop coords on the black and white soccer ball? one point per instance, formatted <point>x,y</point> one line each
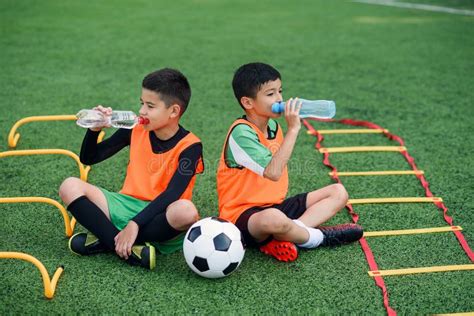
<point>213,247</point>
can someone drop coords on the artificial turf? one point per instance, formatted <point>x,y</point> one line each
<point>410,71</point>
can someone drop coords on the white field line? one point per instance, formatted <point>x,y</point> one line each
<point>418,6</point>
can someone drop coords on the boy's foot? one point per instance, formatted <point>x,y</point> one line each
<point>340,234</point>
<point>144,256</point>
<point>86,244</point>
<point>280,250</point>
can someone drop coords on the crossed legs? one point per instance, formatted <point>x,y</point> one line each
<point>321,205</point>
<point>180,214</point>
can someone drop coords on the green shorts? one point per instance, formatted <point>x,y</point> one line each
<point>123,208</point>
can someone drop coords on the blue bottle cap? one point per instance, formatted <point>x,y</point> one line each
<point>278,107</point>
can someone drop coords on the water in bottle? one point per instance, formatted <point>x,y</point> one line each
<point>126,119</point>
<point>118,119</point>
<point>90,119</point>
<point>323,109</point>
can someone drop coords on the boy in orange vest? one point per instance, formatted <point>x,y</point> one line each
<point>154,204</point>
<point>252,177</point>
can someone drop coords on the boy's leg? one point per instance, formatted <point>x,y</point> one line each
<point>323,204</point>
<point>273,222</point>
<point>182,214</point>
<point>273,232</point>
<point>179,216</point>
<point>89,206</point>
<point>73,188</point>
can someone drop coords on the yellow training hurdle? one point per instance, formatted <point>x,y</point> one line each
<point>13,136</point>
<point>83,171</point>
<point>49,284</point>
<point>69,224</point>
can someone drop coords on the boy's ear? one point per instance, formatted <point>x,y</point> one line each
<point>175,110</point>
<point>246,102</point>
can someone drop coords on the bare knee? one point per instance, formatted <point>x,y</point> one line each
<point>340,195</point>
<point>273,221</point>
<point>182,214</point>
<point>70,189</point>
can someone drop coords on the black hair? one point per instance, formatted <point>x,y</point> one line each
<point>171,85</point>
<point>249,78</point>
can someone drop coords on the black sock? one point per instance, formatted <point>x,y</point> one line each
<point>159,229</point>
<point>91,217</point>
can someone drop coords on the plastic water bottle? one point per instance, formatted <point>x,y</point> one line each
<point>118,119</point>
<point>317,109</point>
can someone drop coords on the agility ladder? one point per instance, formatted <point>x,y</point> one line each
<point>371,128</point>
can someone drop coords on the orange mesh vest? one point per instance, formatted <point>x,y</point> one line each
<point>148,174</point>
<point>239,189</point>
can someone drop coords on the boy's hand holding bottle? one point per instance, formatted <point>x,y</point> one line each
<point>107,113</point>
<point>292,114</point>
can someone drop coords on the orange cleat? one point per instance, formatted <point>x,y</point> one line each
<point>280,250</point>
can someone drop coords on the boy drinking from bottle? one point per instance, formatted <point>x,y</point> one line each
<point>154,204</point>
<point>252,177</point>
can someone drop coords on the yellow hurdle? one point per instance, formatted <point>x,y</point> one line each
<point>49,284</point>
<point>83,171</point>
<point>330,150</point>
<point>69,225</point>
<point>348,131</point>
<point>13,136</point>
<point>412,231</point>
<point>459,267</point>
<point>395,200</point>
<point>375,173</point>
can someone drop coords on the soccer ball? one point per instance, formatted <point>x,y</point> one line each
<point>213,247</point>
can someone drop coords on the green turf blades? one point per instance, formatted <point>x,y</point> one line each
<point>409,71</point>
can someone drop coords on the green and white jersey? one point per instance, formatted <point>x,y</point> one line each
<point>244,149</point>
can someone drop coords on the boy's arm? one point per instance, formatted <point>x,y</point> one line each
<point>274,169</point>
<point>245,150</point>
<point>188,161</point>
<point>92,153</point>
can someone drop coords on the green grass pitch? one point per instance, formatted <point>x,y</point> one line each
<point>409,71</point>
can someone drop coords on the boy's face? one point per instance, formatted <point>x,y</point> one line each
<point>269,93</point>
<point>154,109</point>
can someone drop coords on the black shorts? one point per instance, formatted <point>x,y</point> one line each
<point>292,207</point>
